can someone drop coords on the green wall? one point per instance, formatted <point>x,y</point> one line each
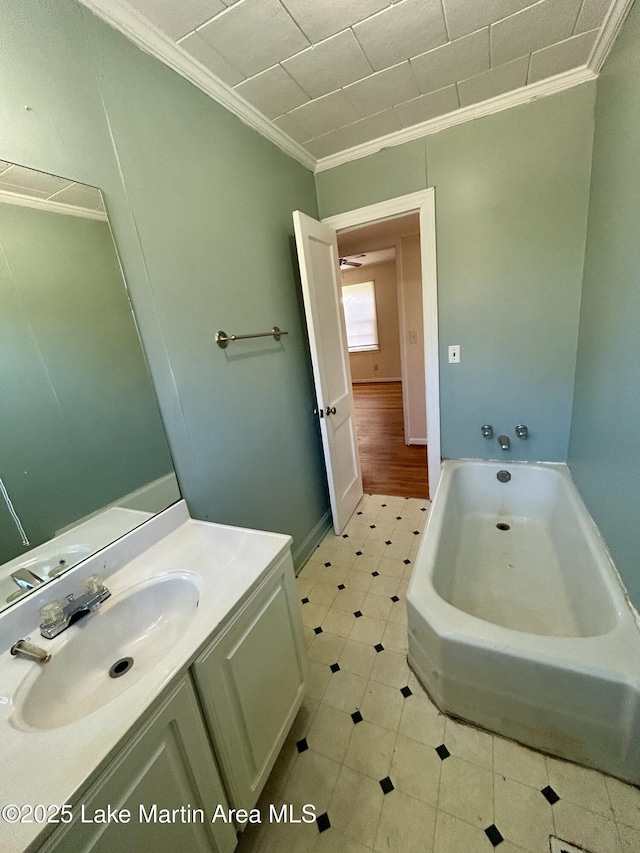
<point>603,452</point>
<point>201,210</point>
<point>511,207</point>
<point>79,422</point>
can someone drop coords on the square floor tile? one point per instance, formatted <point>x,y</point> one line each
<point>358,658</point>
<point>326,648</point>
<point>585,828</point>
<point>368,630</point>
<point>522,814</point>
<point>466,792</point>
<point>382,705</point>
<point>391,668</point>
<point>422,721</point>
<point>625,800</point>
<point>338,622</point>
<point>370,750</point>
<point>312,780</point>
<point>344,691</point>
<point>519,763</point>
<point>405,824</point>
<point>415,770</point>
<point>355,806</point>
<point>330,732</point>
<point>469,743</point>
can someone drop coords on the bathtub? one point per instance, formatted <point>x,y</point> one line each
<point>518,621</point>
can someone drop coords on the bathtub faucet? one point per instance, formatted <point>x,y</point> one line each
<point>505,444</point>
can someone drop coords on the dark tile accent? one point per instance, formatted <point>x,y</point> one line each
<point>358,553</point>
<point>326,565</point>
<point>317,630</point>
<point>493,834</point>
<point>394,598</point>
<point>406,562</point>
<point>398,518</point>
<point>550,795</point>
<point>372,526</point>
<point>357,614</point>
<point>323,822</point>
<point>304,600</point>
<point>302,745</point>
<point>388,542</point>
<point>379,647</point>
<point>334,667</point>
<point>416,533</point>
<point>406,692</point>
<point>359,512</point>
<point>345,535</point>
<point>423,509</point>
<point>382,504</point>
<point>356,717</point>
<point>386,784</point>
<point>341,586</point>
<point>443,752</point>
<point>375,574</point>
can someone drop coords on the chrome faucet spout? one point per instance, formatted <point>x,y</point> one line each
<point>25,649</point>
<point>505,444</point>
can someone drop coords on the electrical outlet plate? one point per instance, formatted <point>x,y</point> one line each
<point>559,846</point>
<point>454,354</point>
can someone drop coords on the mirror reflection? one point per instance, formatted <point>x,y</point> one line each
<point>83,453</point>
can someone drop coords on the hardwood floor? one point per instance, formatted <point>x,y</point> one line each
<point>389,466</point>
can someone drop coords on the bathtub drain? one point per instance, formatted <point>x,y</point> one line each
<point>502,526</point>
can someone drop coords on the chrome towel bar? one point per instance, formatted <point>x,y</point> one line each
<point>222,338</point>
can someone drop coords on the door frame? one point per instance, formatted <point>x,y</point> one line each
<point>422,202</point>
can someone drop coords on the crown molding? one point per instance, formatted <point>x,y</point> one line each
<point>51,206</point>
<point>122,17</point>
<point>516,97</point>
<point>608,33</point>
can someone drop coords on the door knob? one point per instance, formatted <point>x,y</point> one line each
<point>331,410</point>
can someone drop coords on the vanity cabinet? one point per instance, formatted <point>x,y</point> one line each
<point>168,764</point>
<point>250,681</point>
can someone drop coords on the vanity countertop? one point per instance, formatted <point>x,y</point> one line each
<point>51,766</point>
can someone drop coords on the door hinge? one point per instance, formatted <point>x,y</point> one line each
<point>319,412</point>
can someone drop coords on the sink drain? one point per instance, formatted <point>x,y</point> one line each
<point>120,667</point>
<point>502,526</point>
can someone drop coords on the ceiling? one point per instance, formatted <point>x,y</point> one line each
<point>326,79</point>
<point>367,259</point>
<point>377,235</point>
<point>19,185</point>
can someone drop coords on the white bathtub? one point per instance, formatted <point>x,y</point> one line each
<point>526,631</point>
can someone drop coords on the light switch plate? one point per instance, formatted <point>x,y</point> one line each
<point>454,354</point>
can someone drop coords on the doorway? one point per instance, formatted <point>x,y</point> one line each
<point>318,256</point>
<point>382,296</point>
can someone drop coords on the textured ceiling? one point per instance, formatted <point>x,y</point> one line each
<point>27,183</point>
<point>333,74</point>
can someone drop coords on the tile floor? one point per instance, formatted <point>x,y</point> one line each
<point>385,770</point>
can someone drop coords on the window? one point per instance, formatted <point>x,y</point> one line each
<point>359,301</point>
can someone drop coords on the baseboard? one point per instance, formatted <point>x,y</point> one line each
<point>311,542</point>
<point>368,381</point>
<point>421,441</point>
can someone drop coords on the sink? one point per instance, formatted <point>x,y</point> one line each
<point>106,652</point>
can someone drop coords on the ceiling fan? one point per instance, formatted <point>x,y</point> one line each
<point>349,262</point>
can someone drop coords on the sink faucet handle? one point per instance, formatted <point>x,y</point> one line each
<point>93,584</point>
<point>522,431</point>
<point>52,613</point>
<point>487,430</point>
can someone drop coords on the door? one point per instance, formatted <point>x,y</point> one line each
<point>251,683</point>
<point>319,272</point>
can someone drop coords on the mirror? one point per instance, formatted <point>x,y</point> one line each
<point>83,453</point>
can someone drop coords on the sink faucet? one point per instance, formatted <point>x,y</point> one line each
<point>25,578</point>
<point>505,444</point>
<point>26,649</point>
<point>56,618</point>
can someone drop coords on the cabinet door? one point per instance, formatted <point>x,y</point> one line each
<point>251,683</point>
<point>169,765</point>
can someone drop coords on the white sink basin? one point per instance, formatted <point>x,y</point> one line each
<point>141,624</point>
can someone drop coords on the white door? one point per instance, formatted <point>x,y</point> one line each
<point>321,290</point>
